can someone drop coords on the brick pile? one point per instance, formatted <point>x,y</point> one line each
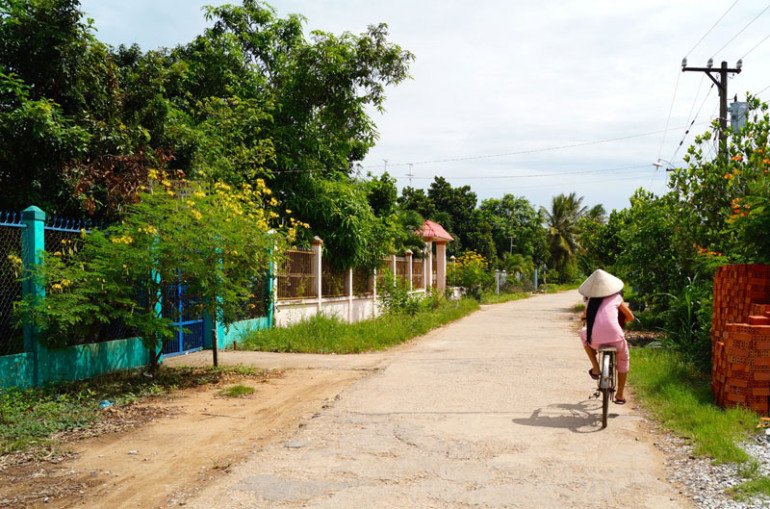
<point>740,340</point>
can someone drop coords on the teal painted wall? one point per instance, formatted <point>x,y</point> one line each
<point>73,362</point>
<point>16,370</point>
<point>86,361</point>
<point>239,329</point>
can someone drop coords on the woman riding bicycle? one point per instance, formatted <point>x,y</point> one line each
<point>603,314</point>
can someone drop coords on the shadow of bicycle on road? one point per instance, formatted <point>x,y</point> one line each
<point>582,417</point>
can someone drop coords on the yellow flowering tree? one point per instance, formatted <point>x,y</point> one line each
<point>216,239</point>
<point>471,271</point>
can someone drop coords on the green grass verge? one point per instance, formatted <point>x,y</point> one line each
<point>492,298</point>
<point>30,417</point>
<point>237,391</point>
<point>321,334</point>
<point>679,396</point>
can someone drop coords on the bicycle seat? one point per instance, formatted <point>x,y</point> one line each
<point>607,349</point>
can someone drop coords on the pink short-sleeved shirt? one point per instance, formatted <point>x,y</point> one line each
<point>606,328</point>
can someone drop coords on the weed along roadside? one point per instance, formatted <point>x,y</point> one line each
<point>321,334</point>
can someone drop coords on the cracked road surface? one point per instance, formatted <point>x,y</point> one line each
<point>492,411</point>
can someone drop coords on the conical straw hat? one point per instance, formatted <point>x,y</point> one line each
<point>600,284</point>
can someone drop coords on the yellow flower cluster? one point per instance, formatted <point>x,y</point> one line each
<point>15,260</point>
<point>123,239</point>
<point>148,230</point>
<point>470,259</point>
<point>61,285</point>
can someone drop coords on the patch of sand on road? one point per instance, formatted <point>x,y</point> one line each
<point>163,462</point>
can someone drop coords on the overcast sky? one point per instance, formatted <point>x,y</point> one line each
<point>498,77</point>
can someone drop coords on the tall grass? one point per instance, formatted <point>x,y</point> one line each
<point>679,396</point>
<point>321,334</point>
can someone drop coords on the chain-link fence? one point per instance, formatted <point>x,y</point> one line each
<point>63,237</point>
<point>11,335</point>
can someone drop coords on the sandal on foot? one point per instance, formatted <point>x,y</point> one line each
<point>592,375</point>
<point>620,401</point>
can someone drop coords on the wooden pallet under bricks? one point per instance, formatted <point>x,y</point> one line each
<point>740,337</point>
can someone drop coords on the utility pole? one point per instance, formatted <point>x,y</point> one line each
<point>721,83</point>
<point>410,174</point>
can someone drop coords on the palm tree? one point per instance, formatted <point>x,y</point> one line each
<point>562,222</point>
<point>597,214</point>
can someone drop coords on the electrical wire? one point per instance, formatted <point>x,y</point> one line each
<point>712,28</point>
<point>537,175</point>
<point>689,127</point>
<point>670,109</point>
<point>756,46</point>
<point>577,182</point>
<point>747,25</point>
<point>530,151</point>
<point>762,91</point>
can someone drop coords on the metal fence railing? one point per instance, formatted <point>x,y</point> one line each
<point>334,282</point>
<point>402,269</point>
<point>418,277</point>
<point>296,279</point>
<point>11,336</point>
<point>363,282</point>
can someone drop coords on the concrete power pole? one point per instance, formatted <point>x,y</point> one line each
<point>719,77</point>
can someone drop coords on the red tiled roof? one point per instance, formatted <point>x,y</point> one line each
<point>434,231</point>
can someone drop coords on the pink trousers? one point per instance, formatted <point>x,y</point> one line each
<point>621,345</point>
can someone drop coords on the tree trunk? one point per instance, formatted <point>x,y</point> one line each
<point>215,348</point>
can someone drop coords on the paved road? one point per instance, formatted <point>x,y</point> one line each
<point>491,412</point>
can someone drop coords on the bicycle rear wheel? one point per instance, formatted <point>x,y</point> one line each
<point>605,406</point>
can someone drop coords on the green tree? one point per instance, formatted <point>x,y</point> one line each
<point>518,226</point>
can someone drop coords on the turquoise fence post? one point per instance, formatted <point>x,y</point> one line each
<point>155,275</point>
<point>32,247</point>
<point>270,290</point>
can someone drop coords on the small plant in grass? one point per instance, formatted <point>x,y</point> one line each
<point>237,391</point>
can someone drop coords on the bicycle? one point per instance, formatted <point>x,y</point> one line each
<point>608,377</point>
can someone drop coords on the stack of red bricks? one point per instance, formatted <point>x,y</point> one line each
<point>741,337</point>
